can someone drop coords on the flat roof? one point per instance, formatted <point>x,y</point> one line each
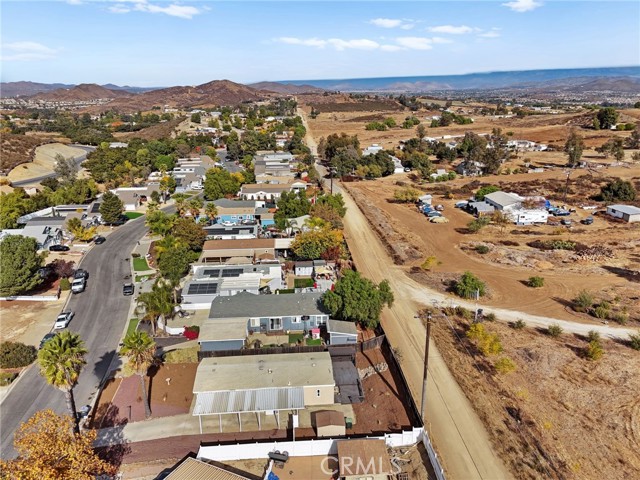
<point>628,209</point>
<point>247,305</point>
<point>503,198</point>
<point>231,329</point>
<point>363,457</point>
<point>264,371</point>
<point>238,244</point>
<point>340,326</point>
<point>244,401</point>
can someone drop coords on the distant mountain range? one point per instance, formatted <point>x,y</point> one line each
<point>625,80</point>
<point>481,81</point>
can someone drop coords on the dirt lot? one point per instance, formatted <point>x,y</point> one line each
<point>558,415</point>
<point>506,267</point>
<point>166,398</point>
<point>43,161</point>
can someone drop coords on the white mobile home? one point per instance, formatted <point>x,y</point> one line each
<point>628,213</point>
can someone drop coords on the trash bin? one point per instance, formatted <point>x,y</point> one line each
<point>348,422</point>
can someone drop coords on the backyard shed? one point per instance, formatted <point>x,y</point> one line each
<point>341,332</point>
<point>330,423</point>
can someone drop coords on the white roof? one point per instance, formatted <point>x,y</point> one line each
<point>239,401</point>
<point>264,371</point>
<point>503,198</point>
<point>628,209</point>
<point>345,328</point>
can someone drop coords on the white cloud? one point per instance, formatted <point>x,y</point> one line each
<point>493,33</point>
<point>310,42</point>
<point>522,5</point>
<point>415,43</point>
<point>358,44</point>
<point>25,51</point>
<point>390,48</point>
<point>75,2</point>
<point>174,10</point>
<point>404,24</point>
<point>452,29</point>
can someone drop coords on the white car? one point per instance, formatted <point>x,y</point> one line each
<point>63,320</point>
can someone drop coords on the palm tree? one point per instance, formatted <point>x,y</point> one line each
<point>169,242</point>
<point>156,303</point>
<point>140,348</point>
<point>61,359</point>
<point>195,205</point>
<point>180,200</point>
<point>211,211</point>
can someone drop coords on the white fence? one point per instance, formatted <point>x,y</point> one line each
<point>32,298</point>
<point>171,330</point>
<point>303,448</point>
<point>433,457</point>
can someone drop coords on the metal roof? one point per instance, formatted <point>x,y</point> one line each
<point>226,203</point>
<point>503,198</point>
<point>338,326</point>
<point>627,209</point>
<point>232,329</point>
<point>241,401</point>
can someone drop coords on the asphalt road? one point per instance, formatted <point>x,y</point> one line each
<point>101,313</point>
<point>79,159</point>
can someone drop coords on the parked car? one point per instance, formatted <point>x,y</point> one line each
<point>99,240</point>
<point>80,273</point>
<point>433,213</point>
<point>63,320</point>
<point>561,213</point>
<point>228,224</point>
<point>587,221</point>
<point>462,204</point>
<point>46,338</point>
<point>59,248</point>
<point>78,285</point>
<point>439,208</point>
<point>128,289</point>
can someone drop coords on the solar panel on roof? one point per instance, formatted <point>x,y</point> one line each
<point>209,272</point>
<point>202,288</point>
<point>232,272</point>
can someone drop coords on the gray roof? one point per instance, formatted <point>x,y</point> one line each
<point>226,203</point>
<point>236,230</point>
<point>47,221</point>
<point>627,209</point>
<point>482,206</point>
<point>503,198</point>
<point>239,401</point>
<point>247,305</point>
<point>338,326</point>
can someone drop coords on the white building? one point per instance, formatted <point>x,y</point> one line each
<point>628,213</point>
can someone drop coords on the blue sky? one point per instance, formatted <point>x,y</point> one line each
<point>167,42</point>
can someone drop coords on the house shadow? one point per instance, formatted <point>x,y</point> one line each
<point>116,444</point>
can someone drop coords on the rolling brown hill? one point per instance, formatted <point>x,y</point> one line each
<point>83,92</point>
<point>207,95</point>
<point>17,149</point>
<point>285,88</point>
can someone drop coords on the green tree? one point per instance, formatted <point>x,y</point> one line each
<point>618,190</point>
<point>291,205</point>
<point>573,148</point>
<point>174,264</point>
<point>12,206</point>
<point>19,265</point>
<point>80,232</point>
<point>155,196</point>
<point>607,117</point>
<point>195,205</point>
<point>486,190</point>
<point>406,195</point>
<point>187,231</point>
<point>335,201</point>
<point>140,350</point>
<point>211,211</point>
<point>196,118</point>
<point>312,244</point>
<point>358,299</point>
<point>180,201</point>
<point>155,304</point>
<point>159,222</point>
<point>594,351</point>
<point>61,359</point>
<point>220,183</point>
<point>469,286</point>
<point>111,207</point>
<point>65,168</point>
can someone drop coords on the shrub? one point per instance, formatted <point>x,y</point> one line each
<point>583,301</point>
<point>554,330</point>
<point>429,263</point>
<point>464,313</point>
<point>634,340</point>
<point>490,317</point>
<point>192,332</point>
<point>469,286</point>
<point>476,332</point>
<point>535,282</point>
<point>474,226</point>
<point>593,336</point>
<point>519,324</point>
<point>406,195</point>
<point>594,350</point>
<point>16,355</point>
<point>490,345</point>
<point>482,249</point>
<point>620,317</point>
<point>505,365</point>
<point>65,284</point>
<point>6,378</point>
<point>135,255</point>
<point>286,290</point>
<point>601,312</point>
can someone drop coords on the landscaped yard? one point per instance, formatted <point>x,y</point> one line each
<point>140,264</point>
<point>133,324</point>
<point>313,342</point>
<point>132,215</point>
<point>299,337</point>
<point>303,282</point>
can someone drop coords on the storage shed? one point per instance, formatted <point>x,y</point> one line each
<point>341,333</point>
<point>330,423</point>
<point>628,213</point>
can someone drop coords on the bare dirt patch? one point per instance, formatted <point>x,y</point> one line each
<point>18,149</point>
<point>43,161</point>
<point>558,415</point>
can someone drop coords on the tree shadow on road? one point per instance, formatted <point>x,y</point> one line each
<point>116,445</point>
<point>101,368</point>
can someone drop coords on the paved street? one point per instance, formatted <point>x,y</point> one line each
<point>101,313</point>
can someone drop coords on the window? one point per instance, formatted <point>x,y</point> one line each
<point>291,319</point>
<point>275,324</point>
<point>255,322</point>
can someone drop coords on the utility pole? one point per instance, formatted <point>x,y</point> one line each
<point>426,369</point>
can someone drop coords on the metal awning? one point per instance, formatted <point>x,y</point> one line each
<point>246,401</point>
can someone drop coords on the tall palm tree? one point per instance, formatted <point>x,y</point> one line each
<point>195,205</point>
<point>211,211</point>
<point>61,359</point>
<point>169,242</point>
<point>156,303</point>
<point>140,349</point>
<point>180,200</point>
